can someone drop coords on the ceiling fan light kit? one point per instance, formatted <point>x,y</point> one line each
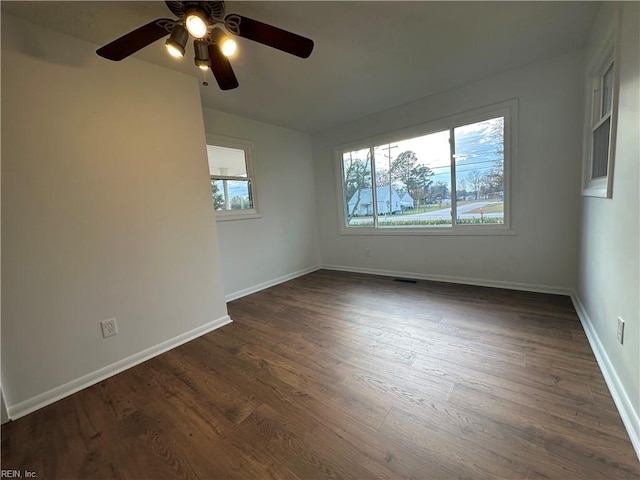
<point>201,50</point>
<point>177,41</point>
<point>227,44</point>
<point>207,23</point>
<point>196,22</point>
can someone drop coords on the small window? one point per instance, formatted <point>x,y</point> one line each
<point>600,126</point>
<point>449,180</point>
<point>232,180</point>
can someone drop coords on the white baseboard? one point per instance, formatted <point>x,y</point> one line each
<point>528,287</point>
<point>42,400</point>
<point>629,415</point>
<point>271,283</point>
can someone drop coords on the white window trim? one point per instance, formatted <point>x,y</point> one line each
<point>608,53</point>
<point>249,151</point>
<point>508,109</point>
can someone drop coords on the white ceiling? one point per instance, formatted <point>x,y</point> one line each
<point>368,57</point>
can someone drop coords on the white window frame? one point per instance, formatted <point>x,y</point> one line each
<point>507,109</point>
<point>607,55</point>
<point>249,155</point>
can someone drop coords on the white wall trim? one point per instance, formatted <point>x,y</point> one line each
<point>629,415</point>
<point>42,400</point>
<point>271,283</point>
<point>4,415</point>
<point>481,282</point>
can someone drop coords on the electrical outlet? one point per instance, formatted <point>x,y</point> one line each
<point>620,330</point>
<point>109,327</point>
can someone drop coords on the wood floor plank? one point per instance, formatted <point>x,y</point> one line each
<point>343,375</point>
<point>443,433</point>
<point>558,436</point>
<point>286,440</point>
<point>374,447</point>
<point>457,366</point>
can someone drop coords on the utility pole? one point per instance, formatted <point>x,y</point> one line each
<point>388,148</point>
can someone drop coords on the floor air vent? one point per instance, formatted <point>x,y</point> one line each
<point>405,280</point>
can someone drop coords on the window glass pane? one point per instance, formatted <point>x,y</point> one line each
<point>413,179</point>
<point>388,188</point>
<point>226,161</point>
<point>601,150</point>
<point>356,171</point>
<point>231,194</point>
<point>479,161</point>
<point>607,91</point>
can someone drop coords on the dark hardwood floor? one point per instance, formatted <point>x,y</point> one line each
<point>339,375</point>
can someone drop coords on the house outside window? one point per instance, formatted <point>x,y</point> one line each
<point>447,177</point>
<point>231,171</point>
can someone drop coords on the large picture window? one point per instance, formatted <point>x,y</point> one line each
<point>232,178</point>
<point>453,178</point>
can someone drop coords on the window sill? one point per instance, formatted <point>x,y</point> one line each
<point>222,216</point>
<point>437,231</point>
<point>597,188</point>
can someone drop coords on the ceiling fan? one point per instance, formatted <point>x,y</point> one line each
<point>207,23</point>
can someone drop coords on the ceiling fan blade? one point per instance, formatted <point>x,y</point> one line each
<point>269,35</point>
<point>221,69</point>
<point>133,41</point>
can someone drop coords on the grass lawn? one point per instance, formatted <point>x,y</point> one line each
<point>497,207</point>
<point>428,208</point>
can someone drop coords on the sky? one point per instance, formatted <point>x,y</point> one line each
<point>473,151</point>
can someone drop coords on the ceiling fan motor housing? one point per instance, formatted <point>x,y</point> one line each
<point>214,11</point>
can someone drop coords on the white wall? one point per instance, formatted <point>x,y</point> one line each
<point>545,189</point>
<point>106,211</point>
<point>283,243</point>
<point>609,283</point>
